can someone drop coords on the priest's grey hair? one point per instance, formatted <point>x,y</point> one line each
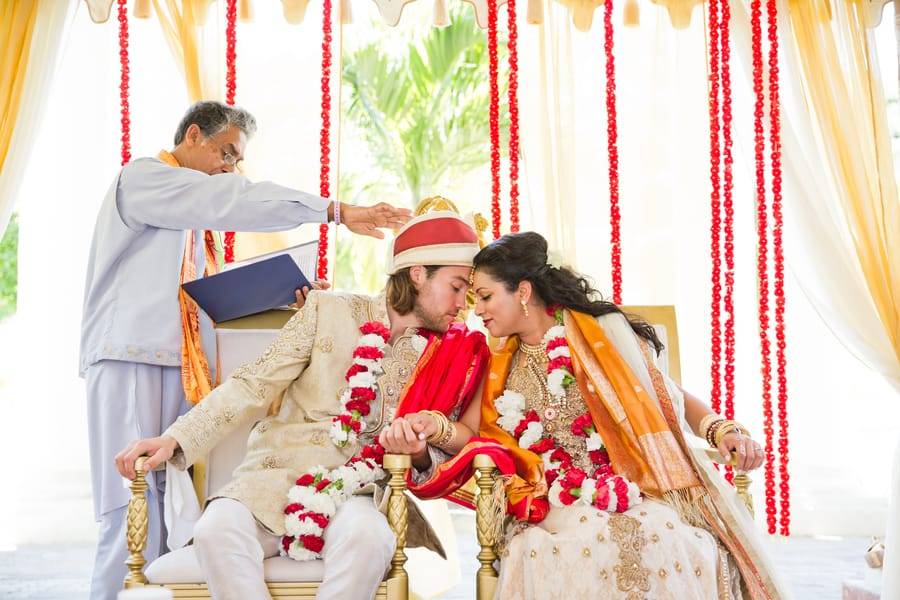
<point>213,117</point>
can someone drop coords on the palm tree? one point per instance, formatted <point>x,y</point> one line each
<point>423,116</point>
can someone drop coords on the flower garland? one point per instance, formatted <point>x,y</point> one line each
<point>325,136</point>
<point>124,83</point>
<point>230,89</point>
<point>569,485</point>
<point>316,495</point>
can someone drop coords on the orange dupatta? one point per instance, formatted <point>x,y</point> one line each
<point>195,375</point>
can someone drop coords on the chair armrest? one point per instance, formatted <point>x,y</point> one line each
<point>742,481</point>
<point>398,466</point>
<point>488,524</point>
<point>137,520</point>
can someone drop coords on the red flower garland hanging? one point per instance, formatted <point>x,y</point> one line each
<point>230,89</point>
<point>513,46</point>
<point>325,136</point>
<point>762,263</point>
<point>715,177</point>
<point>124,73</point>
<point>494,117</point>
<point>612,135</point>
<point>778,255</point>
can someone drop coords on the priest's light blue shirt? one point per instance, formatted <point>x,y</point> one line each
<point>131,310</point>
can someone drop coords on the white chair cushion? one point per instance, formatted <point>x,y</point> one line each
<point>181,566</point>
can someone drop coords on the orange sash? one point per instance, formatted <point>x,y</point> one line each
<point>195,375</point>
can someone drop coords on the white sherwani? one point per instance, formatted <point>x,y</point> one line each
<point>131,328</point>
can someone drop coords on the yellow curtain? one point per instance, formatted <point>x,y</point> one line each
<point>842,88</point>
<point>17,19</point>
<point>181,22</point>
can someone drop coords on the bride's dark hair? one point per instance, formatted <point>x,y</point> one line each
<point>519,257</point>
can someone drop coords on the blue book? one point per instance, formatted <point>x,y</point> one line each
<point>250,289</point>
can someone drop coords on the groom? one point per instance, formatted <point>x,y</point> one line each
<point>304,377</point>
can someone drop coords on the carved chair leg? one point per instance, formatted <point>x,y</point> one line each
<point>742,483</point>
<point>398,465</point>
<point>137,526</point>
<point>487,527</point>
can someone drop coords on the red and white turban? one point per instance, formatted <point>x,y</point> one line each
<point>441,238</point>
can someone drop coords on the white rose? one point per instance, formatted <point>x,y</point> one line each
<point>594,442</point>
<point>371,339</point>
<point>338,435</point>
<point>532,434</point>
<point>510,421</point>
<point>363,379</point>
<point>553,494</point>
<point>559,351</point>
<point>555,259</point>
<point>634,495</point>
<point>588,487</point>
<point>299,553</point>
<point>613,499</point>
<point>510,402</point>
<point>555,383</point>
<point>554,332</point>
<point>296,527</point>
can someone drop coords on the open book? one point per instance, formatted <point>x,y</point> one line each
<point>255,285</point>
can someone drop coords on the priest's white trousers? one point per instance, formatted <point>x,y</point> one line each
<point>126,401</point>
<point>231,546</point>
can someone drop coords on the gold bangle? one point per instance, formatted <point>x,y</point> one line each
<point>448,435</point>
<point>443,424</point>
<point>705,423</point>
<point>725,429</point>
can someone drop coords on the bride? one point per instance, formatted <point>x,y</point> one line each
<point>612,500</point>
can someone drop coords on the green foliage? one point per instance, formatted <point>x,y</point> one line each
<point>423,115</point>
<point>9,271</point>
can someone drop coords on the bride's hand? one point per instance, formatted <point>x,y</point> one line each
<point>750,455</point>
<point>423,424</point>
<point>399,438</point>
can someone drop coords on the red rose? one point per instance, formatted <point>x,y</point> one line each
<point>374,452</point>
<point>361,393</point>
<point>561,456</point>
<point>621,490</point>
<point>601,497</point>
<point>317,518</point>
<point>599,457</point>
<point>305,479</point>
<point>292,508</point>
<point>583,425</point>
<point>368,352</point>
<point>603,472</point>
<point>286,542</point>
<point>356,426</point>
<point>556,343</point>
<point>551,476</point>
<point>523,424</point>
<point>344,419</point>
<point>377,328</point>
<point>322,485</point>
<point>313,543</point>
<point>360,406</point>
<point>560,362</point>
<point>552,308</point>
<point>542,446</point>
<point>567,497</point>
<point>354,369</point>
<point>573,478</point>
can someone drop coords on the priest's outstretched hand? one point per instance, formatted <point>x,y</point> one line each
<point>366,220</point>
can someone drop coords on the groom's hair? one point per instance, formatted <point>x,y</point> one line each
<point>401,291</point>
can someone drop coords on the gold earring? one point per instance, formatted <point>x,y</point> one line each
<point>525,308</point>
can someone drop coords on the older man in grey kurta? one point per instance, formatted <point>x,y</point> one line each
<point>132,328</point>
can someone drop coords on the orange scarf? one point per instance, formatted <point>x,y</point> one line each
<point>195,375</point>
<point>636,432</point>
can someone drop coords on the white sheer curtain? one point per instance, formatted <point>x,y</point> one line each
<point>48,39</point>
<point>664,171</point>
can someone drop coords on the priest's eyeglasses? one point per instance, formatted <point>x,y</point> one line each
<point>227,157</point>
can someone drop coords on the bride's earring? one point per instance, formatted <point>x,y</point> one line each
<point>525,308</point>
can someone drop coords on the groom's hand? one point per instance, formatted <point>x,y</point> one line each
<point>399,438</point>
<point>160,450</point>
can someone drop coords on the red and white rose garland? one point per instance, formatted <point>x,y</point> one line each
<point>569,485</point>
<point>316,495</point>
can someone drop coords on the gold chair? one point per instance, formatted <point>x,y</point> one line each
<point>394,587</point>
<point>488,519</point>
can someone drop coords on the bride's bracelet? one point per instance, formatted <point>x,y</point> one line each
<point>705,423</point>
<point>443,425</point>
<point>724,428</point>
